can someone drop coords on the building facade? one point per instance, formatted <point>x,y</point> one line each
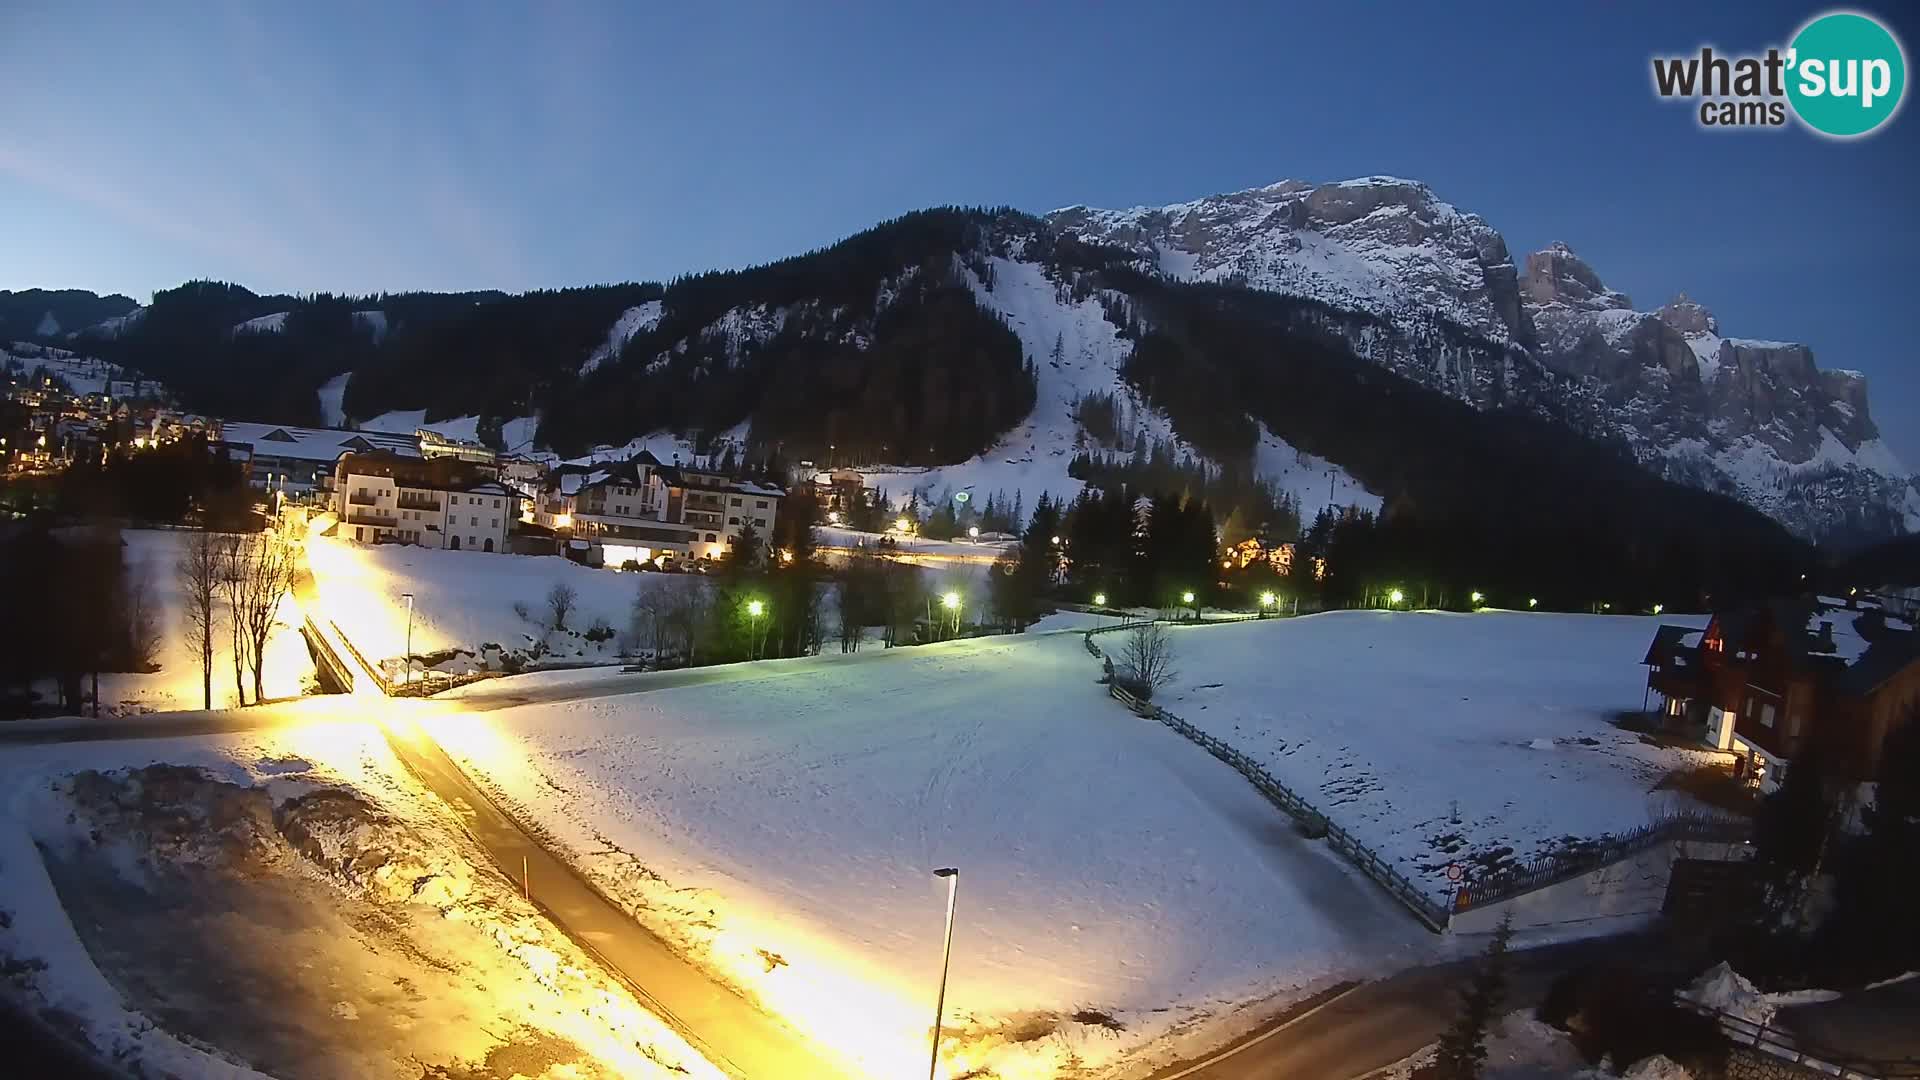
<point>640,511</point>
<point>297,460</point>
<point>386,498</point>
<point>1769,681</point>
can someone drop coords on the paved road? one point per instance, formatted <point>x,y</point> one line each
<point>729,1031</point>
<point>1380,1023</point>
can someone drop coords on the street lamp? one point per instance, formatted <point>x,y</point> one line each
<point>951,601</point>
<point>973,532</point>
<point>901,525</point>
<point>1395,597</point>
<point>1477,597</point>
<point>946,959</point>
<point>1267,600</point>
<point>1658,608</point>
<point>1533,602</point>
<point>408,597</point>
<point>1099,599</point>
<point>755,609</point>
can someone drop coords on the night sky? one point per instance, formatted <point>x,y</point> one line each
<point>441,146</point>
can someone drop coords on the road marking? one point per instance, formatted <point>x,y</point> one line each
<point>1262,1037</point>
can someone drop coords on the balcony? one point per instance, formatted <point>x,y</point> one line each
<point>362,498</point>
<point>371,517</point>
<point>415,502</point>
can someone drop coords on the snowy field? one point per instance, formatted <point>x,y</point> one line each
<point>1437,737</point>
<point>1118,886</point>
<point>150,556</point>
<point>465,600</point>
<point>321,916</point>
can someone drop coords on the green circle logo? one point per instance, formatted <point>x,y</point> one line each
<point>1846,74</point>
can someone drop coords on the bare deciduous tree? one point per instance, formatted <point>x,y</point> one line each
<point>198,573</point>
<point>269,564</point>
<point>233,583</point>
<point>560,603</point>
<point>1147,656</point>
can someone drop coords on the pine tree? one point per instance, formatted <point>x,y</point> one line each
<point>1463,1049</point>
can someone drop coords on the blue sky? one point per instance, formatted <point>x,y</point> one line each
<point>447,146</point>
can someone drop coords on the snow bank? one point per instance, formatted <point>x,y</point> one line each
<point>1437,738</point>
<point>781,827</point>
<point>373,834</point>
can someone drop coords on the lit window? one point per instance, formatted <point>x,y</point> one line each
<point>1766,716</point>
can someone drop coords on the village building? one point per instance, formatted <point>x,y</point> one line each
<point>1768,681</point>
<point>642,511</point>
<point>381,497</point>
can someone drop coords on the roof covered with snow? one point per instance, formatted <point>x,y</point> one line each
<point>313,444</point>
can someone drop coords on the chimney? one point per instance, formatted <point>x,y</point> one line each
<point>1825,643</point>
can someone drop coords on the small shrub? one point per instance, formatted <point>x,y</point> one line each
<point>520,608</point>
<point>600,631</point>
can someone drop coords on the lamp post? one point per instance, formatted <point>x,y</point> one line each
<point>951,601</point>
<point>1187,599</point>
<point>1267,601</point>
<point>754,610</point>
<point>408,597</point>
<point>946,959</point>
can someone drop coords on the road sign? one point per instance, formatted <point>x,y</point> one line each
<point>1454,872</point>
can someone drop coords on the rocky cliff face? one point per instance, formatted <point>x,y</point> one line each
<point>1445,304</point>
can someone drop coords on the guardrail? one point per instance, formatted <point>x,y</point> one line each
<point>1548,870</point>
<point>1782,1045</point>
<point>1431,913</point>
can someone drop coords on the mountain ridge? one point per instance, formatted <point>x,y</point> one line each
<point>1381,267</point>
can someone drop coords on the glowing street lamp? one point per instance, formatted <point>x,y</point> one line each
<point>973,532</point>
<point>408,597</point>
<point>1099,599</point>
<point>755,609</point>
<point>902,525</point>
<point>1396,596</point>
<point>1478,596</point>
<point>951,601</point>
<point>1267,600</point>
<point>1056,541</point>
<point>946,959</point>
<point>1658,608</point>
<point>1533,602</point>
<point>1186,597</point>
<point>833,517</point>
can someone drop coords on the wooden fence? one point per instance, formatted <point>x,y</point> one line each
<point>1430,912</point>
<point>1501,885</point>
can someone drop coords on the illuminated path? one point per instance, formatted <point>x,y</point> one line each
<point>725,1028</point>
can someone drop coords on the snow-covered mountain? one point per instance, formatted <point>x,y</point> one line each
<point>1754,419</point>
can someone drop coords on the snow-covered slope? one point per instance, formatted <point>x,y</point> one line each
<point>1077,351</point>
<point>634,320</point>
<point>1756,419</point>
<point>1379,244</point>
<point>333,396</point>
<point>265,324</point>
<point>1751,418</point>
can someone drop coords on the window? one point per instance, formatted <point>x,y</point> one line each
<point>762,522</point>
<point>1766,716</point>
<point>760,504</point>
<point>496,504</point>
<point>1752,703</point>
<point>733,521</point>
<point>736,500</point>
<point>496,523</point>
<point>712,539</point>
<point>474,521</point>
